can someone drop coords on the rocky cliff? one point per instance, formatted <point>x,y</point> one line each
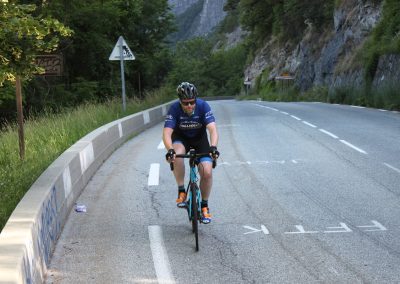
<point>328,59</point>
<point>197,17</point>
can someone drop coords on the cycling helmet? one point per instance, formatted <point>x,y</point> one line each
<point>186,91</point>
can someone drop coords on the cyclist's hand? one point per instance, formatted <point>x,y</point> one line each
<point>213,152</point>
<point>170,156</point>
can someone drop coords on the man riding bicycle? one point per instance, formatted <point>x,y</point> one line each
<point>185,127</point>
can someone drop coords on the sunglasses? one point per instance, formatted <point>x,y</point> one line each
<point>192,103</point>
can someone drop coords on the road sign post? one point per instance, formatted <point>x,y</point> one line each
<point>122,52</point>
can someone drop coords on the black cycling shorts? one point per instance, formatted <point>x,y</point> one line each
<point>199,143</point>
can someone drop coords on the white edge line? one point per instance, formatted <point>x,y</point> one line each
<point>154,174</point>
<point>391,167</point>
<point>328,133</point>
<point>309,124</point>
<point>295,117</point>
<point>160,256</point>
<point>352,146</point>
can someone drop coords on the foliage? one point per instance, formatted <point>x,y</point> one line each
<point>216,73</point>
<point>285,19</point>
<point>88,74</point>
<point>22,36</point>
<point>385,39</point>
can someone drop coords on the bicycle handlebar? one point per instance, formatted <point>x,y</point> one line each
<point>192,156</point>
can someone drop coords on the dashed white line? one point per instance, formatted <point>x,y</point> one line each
<point>309,124</point>
<point>295,117</point>
<point>354,147</point>
<point>160,256</point>
<point>154,174</point>
<point>328,133</point>
<point>161,146</point>
<point>358,106</point>
<point>284,112</point>
<point>391,167</point>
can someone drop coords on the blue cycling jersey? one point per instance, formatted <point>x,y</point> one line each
<point>189,126</point>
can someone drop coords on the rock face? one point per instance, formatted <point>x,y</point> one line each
<point>328,65</point>
<point>205,16</point>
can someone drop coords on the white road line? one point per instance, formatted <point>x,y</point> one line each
<point>354,147</point>
<point>309,124</point>
<point>161,146</point>
<point>154,174</point>
<point>382,110</point>
<point>160,256</point>
<point>284,112</point>
<point>295,117</point>
<point>328,133</point>
<point>357,106</point>
<point>391,167</point>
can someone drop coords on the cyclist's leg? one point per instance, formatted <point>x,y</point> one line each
<point>178,144</point>
<point>205,170</point>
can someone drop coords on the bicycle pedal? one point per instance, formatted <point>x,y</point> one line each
<point>182,205</point>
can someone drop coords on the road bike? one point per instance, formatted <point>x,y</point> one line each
<point>193,203</point>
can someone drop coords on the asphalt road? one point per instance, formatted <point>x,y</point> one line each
<point>303,193</point>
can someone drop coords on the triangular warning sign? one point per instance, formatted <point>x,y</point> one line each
<point>127,52</point>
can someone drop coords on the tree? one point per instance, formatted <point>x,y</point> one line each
<point>22,37</point>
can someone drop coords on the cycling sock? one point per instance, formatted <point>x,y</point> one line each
<point>181,188</point>
<point>204,203</point>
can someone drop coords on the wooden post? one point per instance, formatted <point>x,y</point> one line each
<point>20,116</point>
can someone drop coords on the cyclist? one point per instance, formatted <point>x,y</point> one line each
<point>185,127</point>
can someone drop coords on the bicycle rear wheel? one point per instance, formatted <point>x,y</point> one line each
<point>195,214</point>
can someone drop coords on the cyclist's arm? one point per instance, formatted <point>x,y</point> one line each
<point>167,133</point>
<point>212,129</point>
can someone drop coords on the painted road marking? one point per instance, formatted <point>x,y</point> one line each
<point>160,256</point>
<point>391,167</point>
<point>295,117</point>
<point>154,174</point>
<point>254,230</point>
<point>309,124</point>
<point>328,133</point>
<point>300,230</point>
<point>239,163</point>
<point>352,146</point>
<point>161,146</point>
<point>342,228</point>
<point>285,113</point>
<point>375,227</point>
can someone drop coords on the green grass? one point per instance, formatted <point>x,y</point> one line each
<point>48,136</point>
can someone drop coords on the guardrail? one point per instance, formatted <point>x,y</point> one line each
<point>29,237</point>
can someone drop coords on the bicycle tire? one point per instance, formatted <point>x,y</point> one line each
<point>195,215</point>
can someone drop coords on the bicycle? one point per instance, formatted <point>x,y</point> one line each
<point>193,191</point>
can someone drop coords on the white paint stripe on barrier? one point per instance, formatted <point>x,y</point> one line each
<point>160,256</point>
<point>67,182</point>
<point>120,130</point>
<point>146,117</point>
<point>87,157</point>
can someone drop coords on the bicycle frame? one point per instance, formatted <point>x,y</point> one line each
<point>193,191</point>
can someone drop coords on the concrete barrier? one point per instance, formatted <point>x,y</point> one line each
<point>29,237</point>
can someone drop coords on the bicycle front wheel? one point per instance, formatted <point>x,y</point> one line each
<point>195,214</point>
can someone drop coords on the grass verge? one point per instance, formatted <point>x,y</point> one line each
<point>48,136</point>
